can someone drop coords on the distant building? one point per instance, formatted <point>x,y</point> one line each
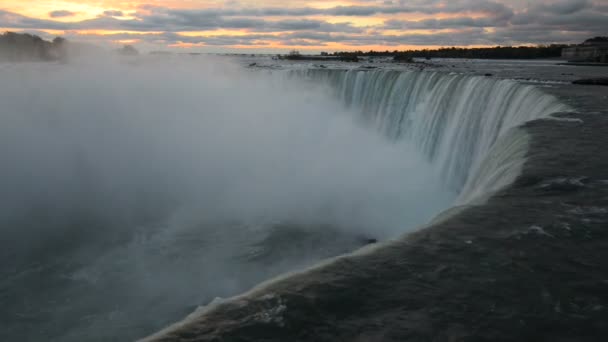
<point>592,50</point>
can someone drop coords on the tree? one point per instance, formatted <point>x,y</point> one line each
<point>596,40</point>
<point>58,41</point>
<point>128,50</point>
<point>26,47</point>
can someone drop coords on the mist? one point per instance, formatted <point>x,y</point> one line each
<point>136,190</point>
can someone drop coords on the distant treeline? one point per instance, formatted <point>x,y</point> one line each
<point>295,55</point>
<point>24,47</point>
<point>596,40</point>
<point>499,52</point>
<point>27,47</point>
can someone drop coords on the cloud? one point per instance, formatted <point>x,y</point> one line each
<point>564,7</point>
<point>113,13</point>
<point>364,22</point>
<point>61,14</point>
<point>441,24</point>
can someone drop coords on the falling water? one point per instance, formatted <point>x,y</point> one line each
<point>455,120</point>
<point>135,193</point>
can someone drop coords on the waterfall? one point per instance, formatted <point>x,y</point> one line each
<point>134,192</point>
<point>455,120</point>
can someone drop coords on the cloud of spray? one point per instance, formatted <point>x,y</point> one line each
<point>165,158</point>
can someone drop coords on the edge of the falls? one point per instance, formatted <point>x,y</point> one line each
<point>494,271</point>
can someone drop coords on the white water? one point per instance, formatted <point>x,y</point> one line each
<point>455,120</point>
<point>137,192</point>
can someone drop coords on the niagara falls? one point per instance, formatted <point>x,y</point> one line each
<point>314,171</point>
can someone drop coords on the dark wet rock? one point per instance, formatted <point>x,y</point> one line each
<point>252,65</point>
<point>368,240</point>
<point>403,58</point>
<point>540,231</point>
<point>592,81</point>
<point>488,75</point>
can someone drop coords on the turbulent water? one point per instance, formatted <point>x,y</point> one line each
<point>137,192</point>
<point>454,120</point>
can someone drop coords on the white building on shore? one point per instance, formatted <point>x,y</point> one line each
<point>592,50</point>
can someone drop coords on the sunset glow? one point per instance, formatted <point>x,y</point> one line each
<point>272,25</point>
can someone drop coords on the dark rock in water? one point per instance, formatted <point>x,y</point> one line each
<point>488,75</point>
<point>367,240</point>
<point>403,58</point>
<point>593,81</point>
<point>253,64</point>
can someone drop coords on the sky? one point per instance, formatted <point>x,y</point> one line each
<point>307,25</point>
